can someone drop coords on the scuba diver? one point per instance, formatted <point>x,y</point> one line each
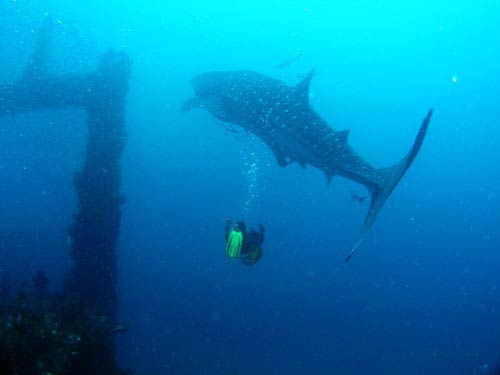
<point>242,244</point>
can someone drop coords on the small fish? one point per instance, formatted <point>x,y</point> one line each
<point>227,127</point>
<point>356,197</point>
<point>289,62</point>
<point>119,328</point>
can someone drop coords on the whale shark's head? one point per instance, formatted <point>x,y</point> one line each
<point>241,97</point>
<point>222,94</point>
<point>212,93</point>
<point>210,84</point>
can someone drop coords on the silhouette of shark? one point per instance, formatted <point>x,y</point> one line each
<point>289,61</point>
<point>356,197</point>
<point>281,116</point>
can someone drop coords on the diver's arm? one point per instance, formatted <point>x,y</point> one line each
<point>227,228</point>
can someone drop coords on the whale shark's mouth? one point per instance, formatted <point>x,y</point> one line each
<point>207,84</point>
<point>199,86</point>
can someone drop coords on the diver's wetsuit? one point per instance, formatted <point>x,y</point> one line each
<point>251,239</point>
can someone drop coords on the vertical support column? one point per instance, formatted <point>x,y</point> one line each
<point>96,226</point>
<point>91,284</point>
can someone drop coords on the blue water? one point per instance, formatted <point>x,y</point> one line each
<point>421,297</point>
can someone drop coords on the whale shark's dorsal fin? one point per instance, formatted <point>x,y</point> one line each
<point>303,86</point>
<point>342,136</point>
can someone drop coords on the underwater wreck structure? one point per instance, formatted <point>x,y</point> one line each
<point>95,229</point>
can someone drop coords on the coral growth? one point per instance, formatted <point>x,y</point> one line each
<point>41,334</point>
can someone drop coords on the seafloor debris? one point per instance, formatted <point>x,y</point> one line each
<point>48,334</point>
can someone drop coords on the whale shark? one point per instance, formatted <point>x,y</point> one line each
<point>282,117</point>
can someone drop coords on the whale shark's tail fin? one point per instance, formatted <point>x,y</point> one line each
<point>386,181</point>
